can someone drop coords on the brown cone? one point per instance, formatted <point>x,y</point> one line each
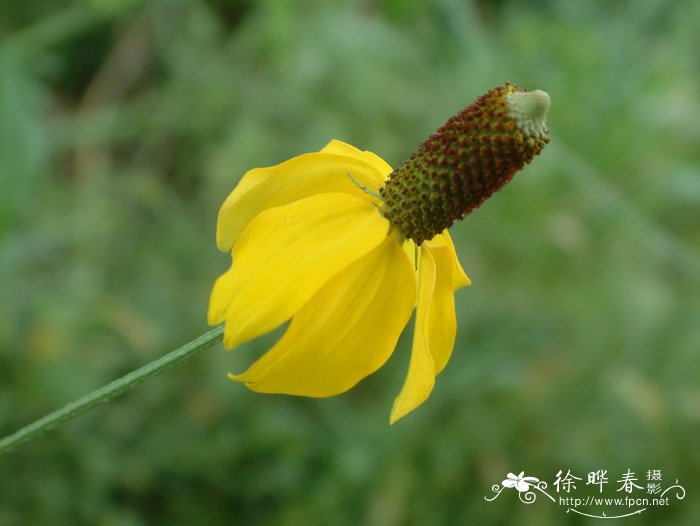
<point>472,156</point>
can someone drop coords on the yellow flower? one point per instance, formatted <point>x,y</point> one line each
<point>309,244</point>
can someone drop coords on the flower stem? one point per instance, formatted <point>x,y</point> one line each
<point>112,390</point>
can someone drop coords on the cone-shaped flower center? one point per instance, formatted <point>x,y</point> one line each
<point>472,156</point>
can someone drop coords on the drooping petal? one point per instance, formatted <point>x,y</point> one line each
<point>285,255</point>
<point>421,368</point>
<point>459,277</point>
<point>345,332</point>
<point>436,325</point>
<point>440,323</point>
<point>294,179</point>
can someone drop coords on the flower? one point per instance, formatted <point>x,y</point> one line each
<point>346,248</point>
<point>521,483</point>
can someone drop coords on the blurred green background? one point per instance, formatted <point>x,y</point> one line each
<point>123,126</point>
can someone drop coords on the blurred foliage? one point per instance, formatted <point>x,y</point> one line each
<point>124,124</point>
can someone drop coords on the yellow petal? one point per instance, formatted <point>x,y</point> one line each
<point>409,247</point>
<point>436,324</point>
<point>344,333</point>
<point>440,323</point>
<point>459,277</point>
<point>421,368</point>
<point>285,255</point>
<point>294,179</point>
<point>342,148</point>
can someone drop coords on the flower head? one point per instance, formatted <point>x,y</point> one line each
<point>346,248</point>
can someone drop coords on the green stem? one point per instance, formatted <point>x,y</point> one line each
<point>109,391</point>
